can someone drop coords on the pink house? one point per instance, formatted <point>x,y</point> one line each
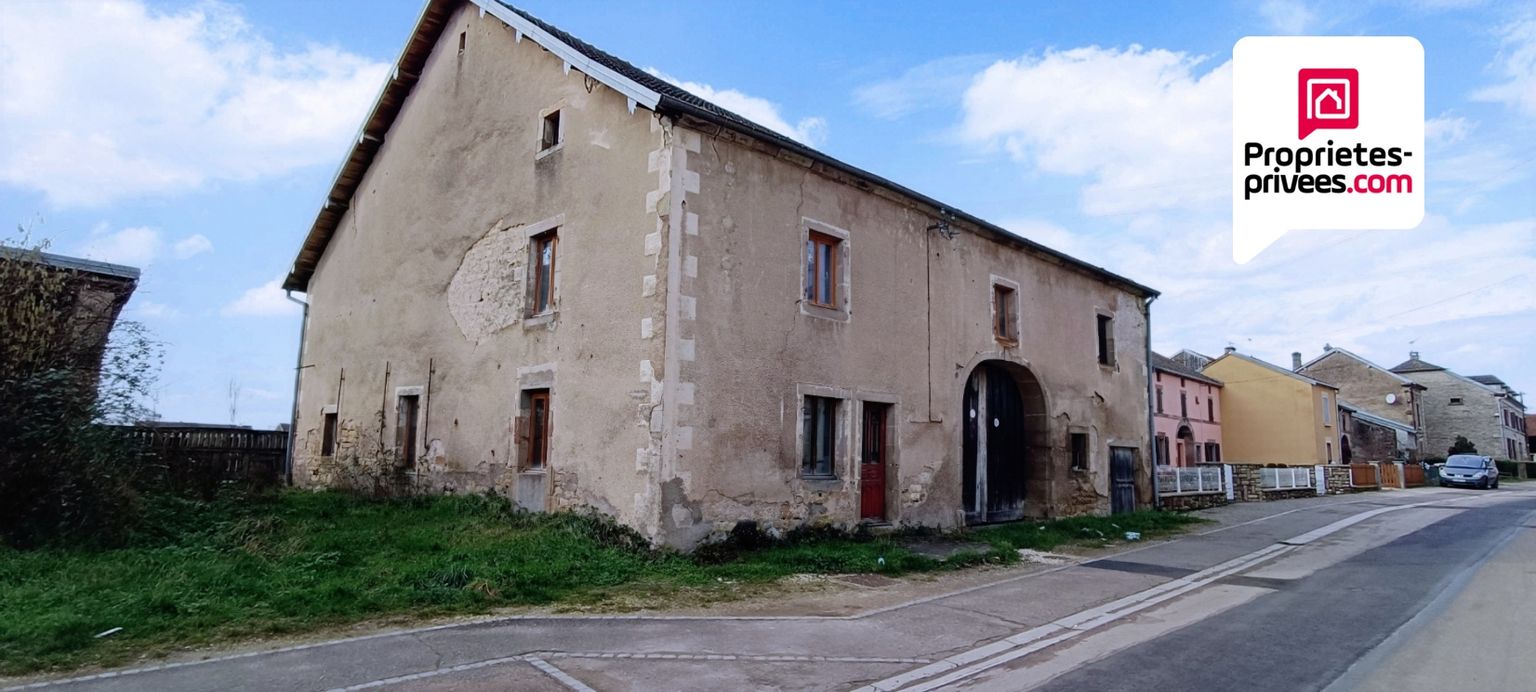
<point>1186,410</point>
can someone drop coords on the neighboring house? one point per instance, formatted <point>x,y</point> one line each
<point>1529,426</point>
<point>544,272</point>
<point>90,296</point>
<point>1191,360</point>
<point>1370,387</point>
<point>1271,415</point>
<point>1483,409</point>
<point>1365,436</point>
<point>1186,414</point>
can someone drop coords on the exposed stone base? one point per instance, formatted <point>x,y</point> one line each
<point>1190,502</point>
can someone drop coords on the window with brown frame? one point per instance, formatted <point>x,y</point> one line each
<point>541,272</point>
<point>821,260</point>
<point>406,410</point>
<point>328,434</point>
<point>550,134</point>
<point>1159,399</point>
<point>1004,324</point>
<point>533,430</point>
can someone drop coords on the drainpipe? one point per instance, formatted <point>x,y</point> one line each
<point>1157,500</point>
<point>298,369</point>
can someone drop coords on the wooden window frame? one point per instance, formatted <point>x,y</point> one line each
<point>1078,449</point>
<point>551,129</point>
<point>814,241</point>
<point>1159,390</point>
<point>819,423</point>
<point>407,432</point>
<point>534,433</point>
<point>1005,313</point>
<point>538,283</point>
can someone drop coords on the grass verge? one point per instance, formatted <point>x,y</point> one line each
<point>199,574</point>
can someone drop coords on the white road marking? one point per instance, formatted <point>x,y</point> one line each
<point>971,662</point>
<point>563,677</point>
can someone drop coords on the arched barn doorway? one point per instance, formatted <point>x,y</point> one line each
<point>1006,444</point>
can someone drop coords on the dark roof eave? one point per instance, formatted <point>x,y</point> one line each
<point>670,103</point>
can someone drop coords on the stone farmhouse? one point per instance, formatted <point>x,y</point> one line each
<point>544,272</point>
<point>1371,388</point>
<point>1486,411</point>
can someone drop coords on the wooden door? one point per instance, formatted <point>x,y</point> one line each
<point>1122,479</point>
<point>872,470</point>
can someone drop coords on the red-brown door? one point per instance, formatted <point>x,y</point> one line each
<point>872,468</point>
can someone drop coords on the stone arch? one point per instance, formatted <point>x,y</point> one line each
<point>1005,443</point>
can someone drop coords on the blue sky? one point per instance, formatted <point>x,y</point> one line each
<point>196,139</point>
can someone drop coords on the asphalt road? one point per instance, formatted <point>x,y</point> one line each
<point>1449,595</point>
<point>1382,591</point>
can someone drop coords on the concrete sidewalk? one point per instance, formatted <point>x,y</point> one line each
<point>884,637</point>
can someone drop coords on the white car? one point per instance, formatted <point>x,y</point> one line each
<point>1469,470</point>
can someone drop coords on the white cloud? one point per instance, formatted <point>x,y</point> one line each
<point>1150,131</point>
<point>1446,130</point>
<point>266,300</point>
<point>934,84</point>
<point>1288,16</point>
<point>135,247</point>
<point>109,100</point>
<point>1517,64</point>
<point>811,131</point>
<point>149,309</point>
<point>192,246</point>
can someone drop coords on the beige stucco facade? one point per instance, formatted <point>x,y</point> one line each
<point>1371,387</point>
<point>680,351</point>
<point>1270,415</point>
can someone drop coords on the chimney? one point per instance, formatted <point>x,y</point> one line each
<point>1231,349</point>
<point>1413,355</point>
<point>1295,360</point>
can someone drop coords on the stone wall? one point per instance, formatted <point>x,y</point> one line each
<point>1336,480</point>
<point>1192,501</point>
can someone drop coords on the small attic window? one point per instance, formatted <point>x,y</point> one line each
<point>462,37</point>
<point>551,133</point>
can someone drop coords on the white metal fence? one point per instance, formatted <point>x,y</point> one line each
<point>1286,478</point>
<point>1174,480</point>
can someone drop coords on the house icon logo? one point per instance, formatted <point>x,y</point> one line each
<point>1327,99</point>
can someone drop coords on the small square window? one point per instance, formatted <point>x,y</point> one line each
<point>821,260</point>
<point>550,135</point>
<point>1455,401</point>
<point>541,272</point>
<point>1079,442</point>
<point>1004,320</point>
<point>1106,340</point>
<point>819,432</point>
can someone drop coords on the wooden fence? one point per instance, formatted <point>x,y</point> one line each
<point>1364,476</point>
<point>199,460</point>
<point>1391,475</point>
<point>1413,475</point>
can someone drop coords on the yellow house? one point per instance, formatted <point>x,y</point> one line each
<point>1270,415</point>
